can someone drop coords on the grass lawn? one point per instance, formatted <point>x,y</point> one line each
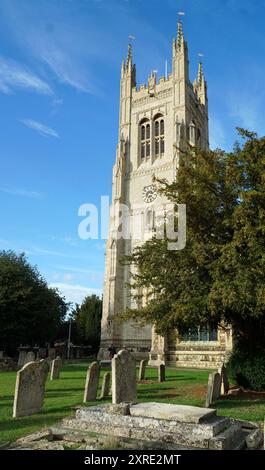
<point>182,386</point>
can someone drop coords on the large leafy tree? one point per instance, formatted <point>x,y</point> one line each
<point>87,318</point>
<point>219,276</point>
<point>30,311</point>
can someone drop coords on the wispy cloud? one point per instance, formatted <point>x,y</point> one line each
<point>73,47</point>
<point>245,108</point>
<point>68,240</point>
<point>217,133</point>
<point>36,250</point>
<point>14,75</point>
<point>21,192</point>
<point>56,39</point>
<point>75,293</point>
<point>40,128</point>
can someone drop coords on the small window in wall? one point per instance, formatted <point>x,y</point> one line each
<point>178,130</point>
<point>200,333</point>
<point>149,219</point>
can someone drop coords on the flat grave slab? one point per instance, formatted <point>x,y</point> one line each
<point>170,412</point>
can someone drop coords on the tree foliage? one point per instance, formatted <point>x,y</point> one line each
<point>87,318</point>
<point>30,311</point>
<point>219,276</point>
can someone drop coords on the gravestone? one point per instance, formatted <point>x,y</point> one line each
<point>21,358</point>
<point>1,354</point>
<point>51,353</point>
<point>30,388</point>
<point>161,373</point>
<point>92,379</point>
<point>56,368</point>
<point>42,353</point>
<point>224,379</point>
<point>105,385</point>
<point>142,368</point>
<point>214,388</point>
<point>123,378</point>
<point>30,357</point>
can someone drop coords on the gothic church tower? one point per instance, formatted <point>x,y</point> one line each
<point>156,120</point>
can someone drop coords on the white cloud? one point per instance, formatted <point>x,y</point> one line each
<point>21,192</point>
<point>75,293</point>
<point>14,75</point>
<point>40,128</point>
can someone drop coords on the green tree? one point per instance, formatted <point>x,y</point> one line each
<point>87,318</point>
<point>219,276</point>
<point>30,311</point>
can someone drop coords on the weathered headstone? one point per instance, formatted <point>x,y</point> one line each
<point>1,354</point>
<point>105,385</point>
<point>21,358</point>
<point>51,353</point>
<point>142,368</point>
<point>254,439</point>
<point>30,357</point>
<point>161,373</point>
<point>42,353</point>
<point>123,378</point>
<point>224,379</point>
<point>56,368</point>
<point>30,388</point>
<point>214,388</point>
<point>92,379</point>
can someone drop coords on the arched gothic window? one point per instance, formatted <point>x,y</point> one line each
<point>145,135</point>
<point>192,133</point>
<point>113,258</point>
<point>159,128</point>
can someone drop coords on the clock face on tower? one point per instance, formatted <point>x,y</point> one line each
<point>149,193</point>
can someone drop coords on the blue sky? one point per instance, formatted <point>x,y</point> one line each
<point>59,93</point>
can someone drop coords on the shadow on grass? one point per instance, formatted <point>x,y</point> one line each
<point>6,398</point>
<point>230,404</point>
<point>172,379</point>
<point>81,377</point>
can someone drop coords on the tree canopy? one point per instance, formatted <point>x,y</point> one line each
<point>219,276</point>
<point>30,311</point>
<point>87,319</point>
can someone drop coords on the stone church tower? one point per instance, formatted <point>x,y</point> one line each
<point>156,121</point>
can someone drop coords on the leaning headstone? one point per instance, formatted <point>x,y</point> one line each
<point>30,388</point>
<point>224,379</point>
<point>51,353</point>
<point>161,373</point>
<point>105,389</point>
<point>214,389</point>
<point>92,379</point>
<point>56,368</point>
<point>30,357</point>
<point>123,378</point>
<point>142,368</point>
